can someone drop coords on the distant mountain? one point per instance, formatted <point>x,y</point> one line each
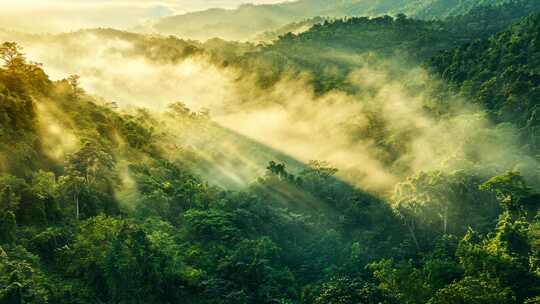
<point>248,21</point>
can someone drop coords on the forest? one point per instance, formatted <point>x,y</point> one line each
<point>248,20</point>
<point>371,152</point>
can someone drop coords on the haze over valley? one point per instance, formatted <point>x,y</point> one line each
<point>300,152</point>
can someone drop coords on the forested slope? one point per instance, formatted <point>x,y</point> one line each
<point>81,231</point>
<point>500,73</point>
<point>108,204</point>
<point>330,50</point>
<point>156,48</point>
<point>249,20</point>
<point>333,49</point>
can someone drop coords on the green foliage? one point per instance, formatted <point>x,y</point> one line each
<point>499,73</point>
<point>247,21</point>
<point>21,280</point>
<point>121,216</point>
<point>441,204</point>
<point>166,190</point>
<point>514,194</point>
<point>347,291</point>
<point>330,49</point>
<point>473,290</point>
<point>504,255</point>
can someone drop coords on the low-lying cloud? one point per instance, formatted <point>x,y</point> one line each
<point>376,137</point>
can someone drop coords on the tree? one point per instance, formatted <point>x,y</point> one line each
<point>444,203</point>
<point>402,280</point>
<point>279,170</point>
<point>318,177</point>
<point>11,54</point>
<point>75,84</point>
<point>132,270</point>
<point>343,290</point>
<point>21,280</point>
<point>11,190</point>
<point>89,169</point>
<point>167,190</point>
<point>179,109</point>
<point>86,256</point>
<point>514,194</point>
<point>472,290</point>
<point>44,189</point>
<point>504,255</point>
<point>254,267</point>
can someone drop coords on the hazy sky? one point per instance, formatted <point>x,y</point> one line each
<point>66,15</point>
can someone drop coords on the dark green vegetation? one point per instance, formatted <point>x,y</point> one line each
<point>500,73</point>
<point>248,20</point>
<point>98,205</point>
<point>332,49</point>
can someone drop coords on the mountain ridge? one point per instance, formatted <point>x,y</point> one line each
<point>248,20</point>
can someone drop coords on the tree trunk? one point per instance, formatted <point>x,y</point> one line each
<point>76,199</point>
<point>413,235</point>
<point>445,220</point>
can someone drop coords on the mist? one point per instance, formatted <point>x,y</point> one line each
<point>289,122</point>
<point>68,15</point>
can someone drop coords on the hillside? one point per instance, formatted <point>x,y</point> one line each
<point>342,45</point>
<point>156,48</point>
<point>330,51</point>
<point>82,166</point>
<point>248,21</point>
<point>107,205</point>
<point>501,73</point>
<point>376,160</point>
<point>294,28</point>
<point>354,42</point>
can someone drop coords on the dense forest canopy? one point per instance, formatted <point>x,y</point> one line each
<point>390,159</point>
<point>248,21</point>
